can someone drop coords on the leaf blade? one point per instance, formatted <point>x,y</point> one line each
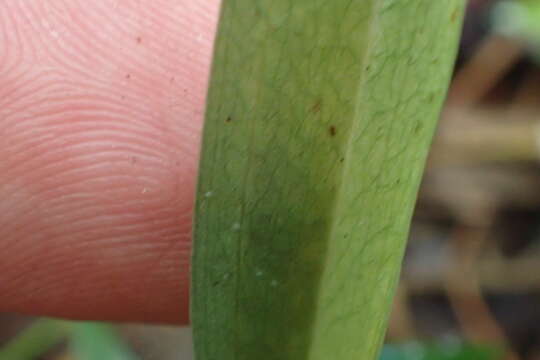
<point>290,117</point>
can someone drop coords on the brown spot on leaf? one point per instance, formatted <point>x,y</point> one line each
<point>228,119</point>
<point>128,76</point>
<point>455,16</point>
<point>317,106</point>
<point>139,39</point>
<point>332,130</point>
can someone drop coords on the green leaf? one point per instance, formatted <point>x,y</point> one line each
<point>318,121</point>
<point>98,341</point>
<point>40,337</point>
<point>520,20</point>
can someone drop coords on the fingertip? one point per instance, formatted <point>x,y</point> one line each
<point>101,134</point>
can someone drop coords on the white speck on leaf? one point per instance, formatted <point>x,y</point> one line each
<point>274,283</point>
<point>144,191</point>
<point>236,226</point>
<point>208,194</point>
<point>258,273</point>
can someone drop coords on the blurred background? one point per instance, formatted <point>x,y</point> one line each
<point>470,286</point>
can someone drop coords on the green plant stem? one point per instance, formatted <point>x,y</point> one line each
<point>41,336</point>
<point>319,117</point>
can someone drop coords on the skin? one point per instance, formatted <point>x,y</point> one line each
<point>101,108</point>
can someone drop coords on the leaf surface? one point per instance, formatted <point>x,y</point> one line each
<point>319,117</point>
